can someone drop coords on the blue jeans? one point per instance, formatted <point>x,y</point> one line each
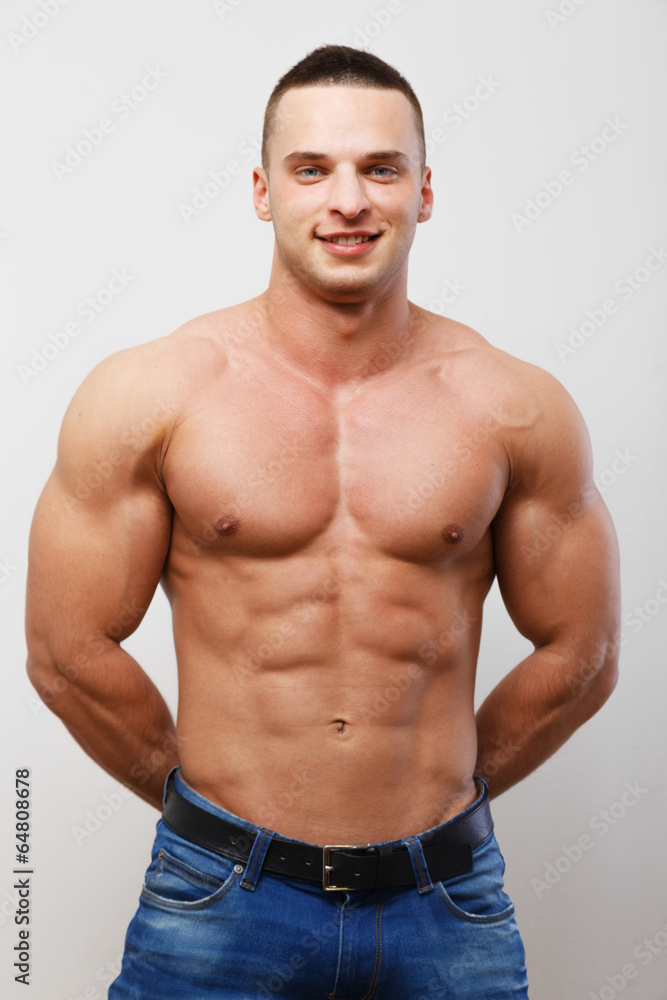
<point>200,934</point>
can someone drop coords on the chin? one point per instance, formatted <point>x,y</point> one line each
<point>349,288</point>
<point>344,292</point>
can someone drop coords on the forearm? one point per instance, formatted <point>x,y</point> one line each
<point>114,711</point>
<point>537,707</point>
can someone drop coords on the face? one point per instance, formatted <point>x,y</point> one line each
<point>345,189</point>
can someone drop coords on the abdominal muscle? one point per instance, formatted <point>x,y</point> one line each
<point>328,710</point>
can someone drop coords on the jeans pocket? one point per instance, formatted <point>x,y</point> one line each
<point>178,886</point>
<point>479,896</point>
<point>468,908</point>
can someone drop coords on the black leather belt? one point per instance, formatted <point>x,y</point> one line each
<point>448,850</point>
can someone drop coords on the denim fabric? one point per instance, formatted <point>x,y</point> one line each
<point>199,934</point>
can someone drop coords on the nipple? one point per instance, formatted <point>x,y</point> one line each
<point>453,533</point>
<point>227,525</point>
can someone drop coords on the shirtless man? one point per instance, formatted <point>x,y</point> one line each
<point>325,480</point>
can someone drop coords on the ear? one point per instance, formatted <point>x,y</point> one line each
<point>427,197</point>
<point>260,194</point>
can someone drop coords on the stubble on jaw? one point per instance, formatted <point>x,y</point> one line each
<point>352,287</point>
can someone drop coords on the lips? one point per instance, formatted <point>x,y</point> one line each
<point>348,244</point>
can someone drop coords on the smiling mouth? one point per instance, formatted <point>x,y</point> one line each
<point>347,241</point>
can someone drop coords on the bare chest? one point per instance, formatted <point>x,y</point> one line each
<point>266,467</point>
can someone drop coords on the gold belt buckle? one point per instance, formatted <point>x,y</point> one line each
<point>326,857</point>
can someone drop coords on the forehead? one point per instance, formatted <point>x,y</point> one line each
<point>344,119</point>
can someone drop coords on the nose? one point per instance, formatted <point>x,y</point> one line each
<point>347,195</point>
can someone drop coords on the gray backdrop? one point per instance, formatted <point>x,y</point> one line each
<point>132,130</point>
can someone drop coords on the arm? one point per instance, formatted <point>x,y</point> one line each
<point>98,543</point>
<point>557,565</point>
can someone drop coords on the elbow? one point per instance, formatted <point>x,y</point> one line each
<point>603,685</point>
<point>50,675</point>
<point>593,687</point>
<point>45,677</point>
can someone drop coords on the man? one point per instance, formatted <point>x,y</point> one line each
<point>326,480</point>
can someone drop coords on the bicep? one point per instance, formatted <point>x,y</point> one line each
<point>557,568</point>
<point>95,554</point>
<point>93,570</point>
<point>555,548</point>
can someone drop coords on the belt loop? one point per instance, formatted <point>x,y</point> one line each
<point>256,859</point>
<point>167,781</point>
<point>419,866</point>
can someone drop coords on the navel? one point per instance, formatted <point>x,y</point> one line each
<point>227,525</point>
<point>453,533</point>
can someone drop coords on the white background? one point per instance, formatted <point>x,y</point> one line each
<point>555,82</point>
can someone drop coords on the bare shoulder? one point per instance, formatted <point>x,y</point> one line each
<point>168,367</point>
<point>131,402</point>
<point>533,414</point>
<point>519,387</point>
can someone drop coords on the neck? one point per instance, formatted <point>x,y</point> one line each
<point>336,343</point>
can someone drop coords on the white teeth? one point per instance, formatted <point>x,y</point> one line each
<point>348,241</point>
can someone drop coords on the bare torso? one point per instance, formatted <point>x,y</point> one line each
<point>330,553</point>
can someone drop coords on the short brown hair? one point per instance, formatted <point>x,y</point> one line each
<point>332,65</point>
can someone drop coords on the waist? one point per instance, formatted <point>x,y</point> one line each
<point>317,783</point>
<point>447,847</point>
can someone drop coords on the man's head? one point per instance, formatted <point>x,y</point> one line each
<point>343,161</point>
<point>340,65</point>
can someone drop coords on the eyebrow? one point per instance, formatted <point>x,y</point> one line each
<point>382,154</point>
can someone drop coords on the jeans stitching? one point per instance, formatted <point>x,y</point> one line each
<point>198,905</point>
<point>471,918</point>
<point>378,948</point>
<point>190,873</point>
<point>416,855</point>
<point>339,965</point>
